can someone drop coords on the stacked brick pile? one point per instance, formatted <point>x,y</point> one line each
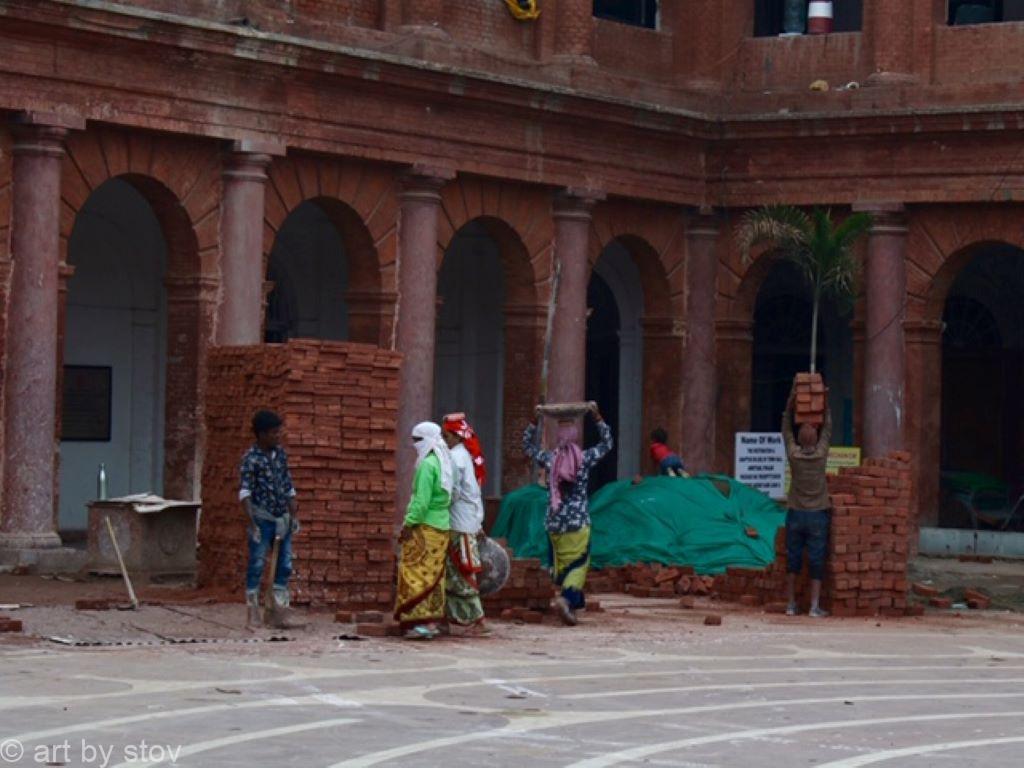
<point>339,402</point>
<point>756,587</point>
<point>866,573</point>
<point>810,399</point>
<point>650,580</point>
<point>869,544</point>
<point>529,588</point>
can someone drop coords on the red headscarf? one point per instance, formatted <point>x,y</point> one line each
<point>456,424</point>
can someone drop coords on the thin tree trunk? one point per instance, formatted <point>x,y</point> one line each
<point>814,329</point>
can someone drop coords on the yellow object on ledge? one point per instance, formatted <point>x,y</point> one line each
<point>523,10</point>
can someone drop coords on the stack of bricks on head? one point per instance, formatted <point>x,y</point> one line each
<point>866,570</point>
<point>810,399</point>
<point>339,402</point>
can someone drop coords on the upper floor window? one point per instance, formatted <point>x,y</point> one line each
<point>777,17</point>
<point>639,13</point>
<point>962,12</point>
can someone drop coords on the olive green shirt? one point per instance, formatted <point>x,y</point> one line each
<point>430,503</point>
<point>808,488</point>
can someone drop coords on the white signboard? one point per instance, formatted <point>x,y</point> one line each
<point>761,462</point>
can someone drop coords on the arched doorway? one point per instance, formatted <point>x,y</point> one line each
<point>982,435</point>
<point>308,270</point>
<point>469,359</point>
<point>615,299</point>
<point>781,349</point>
<point>115,351</point>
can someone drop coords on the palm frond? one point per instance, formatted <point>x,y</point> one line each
<point>782,225</point>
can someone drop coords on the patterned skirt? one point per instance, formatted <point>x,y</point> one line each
<point>570,559</point>
<point>463,604</point>
<point>421,569</point>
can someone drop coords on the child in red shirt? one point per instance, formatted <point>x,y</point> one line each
<point>667,460</point>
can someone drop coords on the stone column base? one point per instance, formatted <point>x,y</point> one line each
<point>45,560</point>
<point>48,540</point>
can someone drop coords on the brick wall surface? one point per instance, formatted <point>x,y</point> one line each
<point>339,404</point>
<point>866,572</point>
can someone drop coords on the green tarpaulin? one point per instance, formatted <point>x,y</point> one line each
<point>699,521</point>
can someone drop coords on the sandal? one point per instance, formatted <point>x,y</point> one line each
<point>420,633</point>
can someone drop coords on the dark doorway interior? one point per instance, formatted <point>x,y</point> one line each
<point>982,379</point>
<point>603,372</point>
<point>782,342</point>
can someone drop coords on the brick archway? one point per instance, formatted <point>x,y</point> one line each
<point>361,202</point>
<point>518,220</point>
<point>941,241</point>
<point>656,243</point>
<point>181,181</point>
<point>739,283</point>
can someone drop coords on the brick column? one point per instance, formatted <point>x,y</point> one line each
<point>924,416</point>
<point>574,30</point>
<point>420,205</point>
<point>889,33</point>
<point>735,364</point>
<point>370,316</point>
<point>524,339</point>
<point>191,303</point>
<point>242,273</point>
<point>885,291</point>
<point>567,369</point>
<point>698,374</point>
<point>663,340</point>
<point>28,520</point>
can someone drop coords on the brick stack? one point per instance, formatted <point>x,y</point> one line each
<point>339,402</point>
<point>810,399</point>
<point>866,572</point>
<point>751,586</point>
<point>651,580</point>
<point>529,588</point>
<point>869,543</point>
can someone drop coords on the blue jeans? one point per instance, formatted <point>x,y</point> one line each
<point>673,463</point>
<point>807,529</point>
<point>258,557</point>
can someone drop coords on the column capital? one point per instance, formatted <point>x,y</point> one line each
<point>256,147</point>
<point>183,289</point>
<point>734,329</point>
<point>663,328</point>
<point>42,133</point>
<point>887,218</point>
<point>576,202</point>
<point>525,315</point>
<point>424,182</point>
<point>703,222</point>
<point>925,332</point>
<point>247,166</point>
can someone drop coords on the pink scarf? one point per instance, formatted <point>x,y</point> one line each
<point>566,463</point>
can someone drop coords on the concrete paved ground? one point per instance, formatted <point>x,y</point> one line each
<point>643,684</point>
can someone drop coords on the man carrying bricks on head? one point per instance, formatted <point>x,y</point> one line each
<point>269,500</point>
<point>807,521</point>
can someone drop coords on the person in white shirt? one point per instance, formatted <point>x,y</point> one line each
<point>462,606</point>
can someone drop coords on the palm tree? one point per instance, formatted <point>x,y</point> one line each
<point>823,251</point>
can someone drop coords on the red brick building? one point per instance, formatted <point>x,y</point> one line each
<point>176,174</point>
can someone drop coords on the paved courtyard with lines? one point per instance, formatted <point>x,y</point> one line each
<point>637,685</point>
